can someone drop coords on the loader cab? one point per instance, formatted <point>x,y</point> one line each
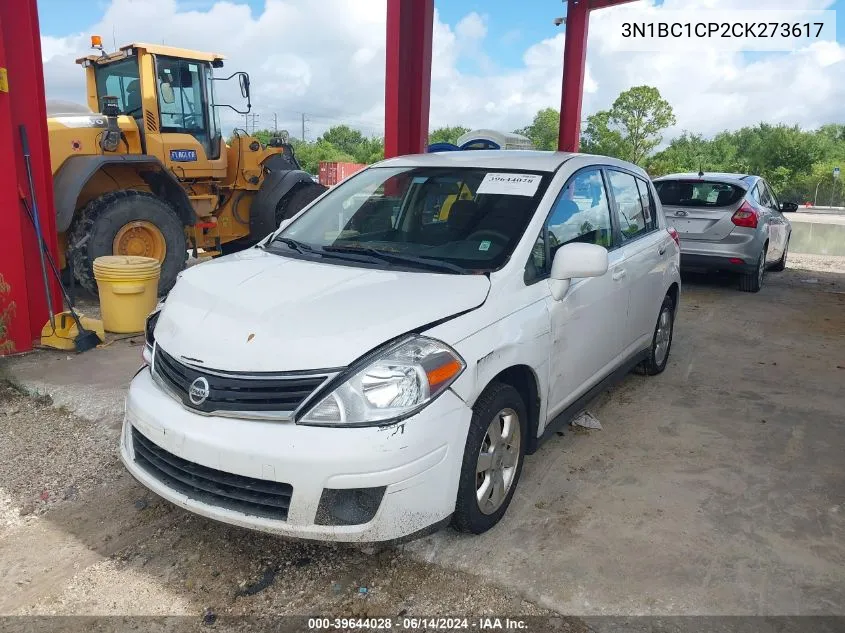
<point>170,92</point>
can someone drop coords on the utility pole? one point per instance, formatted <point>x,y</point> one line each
<point>303,127</point>
<point>275,124</point>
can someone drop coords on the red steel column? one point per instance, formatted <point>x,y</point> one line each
<point>408,76</point>
<point>574,68</point>
<point>24,104</point>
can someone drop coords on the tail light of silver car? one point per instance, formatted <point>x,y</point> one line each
<point>745,216</point>
<point>674,235</point>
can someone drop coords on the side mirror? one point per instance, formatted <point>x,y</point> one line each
<point>243,80</point>
<point>167,92</point>
<point>789,207</point>
<point>574,261</point>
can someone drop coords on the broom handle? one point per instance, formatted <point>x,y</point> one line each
<point>27,159</point>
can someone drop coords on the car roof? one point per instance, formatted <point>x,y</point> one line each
<point>740,180</point>
<point>499,159</point>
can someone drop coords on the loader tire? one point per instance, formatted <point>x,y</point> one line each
<point>128,223</point>
<point>297,200</point>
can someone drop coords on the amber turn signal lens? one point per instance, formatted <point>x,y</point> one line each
<point>443,373</point>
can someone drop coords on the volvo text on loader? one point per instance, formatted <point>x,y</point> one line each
<point>144,170</point>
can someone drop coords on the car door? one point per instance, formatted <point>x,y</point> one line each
<point>778,233</point>
<point>644,255</point>
<point>586,331</point>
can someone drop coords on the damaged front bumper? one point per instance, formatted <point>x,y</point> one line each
<point>335,484</point>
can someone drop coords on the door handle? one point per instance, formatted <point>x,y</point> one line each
<point>662,249</point>
<point>618,274</point>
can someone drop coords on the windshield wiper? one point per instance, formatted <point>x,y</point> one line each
<point>396,258</point>
<point>292,244</point>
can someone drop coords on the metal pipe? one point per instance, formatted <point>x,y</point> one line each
<point>27,158</point>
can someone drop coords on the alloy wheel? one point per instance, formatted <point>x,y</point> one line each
<point>498,460</point>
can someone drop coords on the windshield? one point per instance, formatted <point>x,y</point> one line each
<point>462,218</point>
<point>697,193</point>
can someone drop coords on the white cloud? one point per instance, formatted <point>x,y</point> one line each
<point>326,58</point>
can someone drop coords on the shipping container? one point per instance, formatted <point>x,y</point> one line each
<point>332,173</point>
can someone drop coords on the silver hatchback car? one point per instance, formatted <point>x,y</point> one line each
<point>728,222</point>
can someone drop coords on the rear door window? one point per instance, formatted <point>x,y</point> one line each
<point>634,218</point>
<point>698,193</point>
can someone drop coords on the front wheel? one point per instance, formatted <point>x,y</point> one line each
<point>493,456</point>
<point>128,223</point>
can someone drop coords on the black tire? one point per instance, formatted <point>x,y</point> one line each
<point>297,200</point>
<point>780,264</point>
<point>753,281</point>
<point>93,232</point>
<point>657,360</point>
<point>468,516</point>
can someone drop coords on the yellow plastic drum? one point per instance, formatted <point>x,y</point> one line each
<point>128,287</point>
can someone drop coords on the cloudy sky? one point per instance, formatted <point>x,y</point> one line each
<point>496,62</point>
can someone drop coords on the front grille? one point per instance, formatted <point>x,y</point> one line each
<point>257,497</point>
<point>276,393</point>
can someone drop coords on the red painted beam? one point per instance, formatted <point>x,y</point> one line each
<point>574,68</point>
<point>407,76</point>
<point>603,4</point>
<point>24,104</point>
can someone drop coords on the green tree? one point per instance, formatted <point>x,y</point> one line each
<point>633,126</point>
<point>543,130</point>
<point>344,138</point>
<point>448,134</point>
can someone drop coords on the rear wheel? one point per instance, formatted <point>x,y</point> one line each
<point>781,263</point>
<point>128,223</point>
<point>493,456</point>
<point>294,202</point>
<point>753,281</point>
<point>661,340</point>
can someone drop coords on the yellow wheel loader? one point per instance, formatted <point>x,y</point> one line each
<point>144,169</point>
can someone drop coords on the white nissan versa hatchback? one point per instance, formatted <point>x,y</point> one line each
<point>383,362</point>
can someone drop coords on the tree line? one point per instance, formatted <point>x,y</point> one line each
<point>797,163</point>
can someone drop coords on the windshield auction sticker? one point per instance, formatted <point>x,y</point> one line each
<point>510,184</point>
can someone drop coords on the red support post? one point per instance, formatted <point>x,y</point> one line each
<point>574,68</point>
<point>408,76</point>
<point>24,104</point>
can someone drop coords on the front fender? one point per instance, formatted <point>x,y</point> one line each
<point>76,171</point>
<point>276,185</point>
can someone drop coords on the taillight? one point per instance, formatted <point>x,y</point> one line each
<point>674,234</point>
<point>745,216</point>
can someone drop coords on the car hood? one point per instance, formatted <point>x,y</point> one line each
<point>256,311</point>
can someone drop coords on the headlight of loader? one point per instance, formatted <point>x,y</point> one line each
<point>393,384</point>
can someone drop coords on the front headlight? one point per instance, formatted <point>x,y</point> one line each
<point>393,384</point>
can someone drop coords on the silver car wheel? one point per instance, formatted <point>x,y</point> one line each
<point>761,267</point>
<point>663,335</point>
<point>497,461</point>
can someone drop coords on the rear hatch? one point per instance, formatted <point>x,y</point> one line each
<point>700,209</point>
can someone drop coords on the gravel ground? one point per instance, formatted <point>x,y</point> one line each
<point>79,536</point>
